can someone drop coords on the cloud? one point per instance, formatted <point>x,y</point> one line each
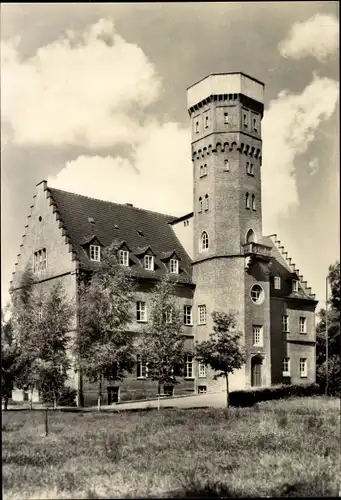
<point>158,176</point>
<point>289,126</point>
<point>317,37</point>
<point>87,88</point>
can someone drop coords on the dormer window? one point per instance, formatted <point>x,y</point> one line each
<point>148,262</point>
<point>123,258</point>
<point>294,285</point>
<point>95,253</point>
<point>174,266</point>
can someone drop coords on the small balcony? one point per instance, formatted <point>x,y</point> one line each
<point>257,251</point>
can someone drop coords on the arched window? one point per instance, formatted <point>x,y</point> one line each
<point>204,241</point>
<point>200,204</point>
<point>206,202</point>
<point>250,236</point>
<point>247,200</point>
<point>226,165</point>
<point>253,202</point>
<point>201,170</point>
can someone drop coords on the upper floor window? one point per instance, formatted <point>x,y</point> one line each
<point>206,202</point>
<point>197,127</point>
<point>257,294</point>
<point>257,335</point>
<point>285,323</point>
<point>253,202</point>
<point>206,121</point>
<point>249,168</point>
<point>200,204</point>
<point>141,311</point>
<point>123,257</point>
<point>174,266</point>
<point>203,170</point>
<point>95,253</point>
<point>245,120</point>
<point>202,369</point>
<point>303,367</point>
<point>148,262</point>
<point>187,315</point>
<point>141,367</point>
<point>226,165</point>
<point>40,260</point>
<point>202,314</point>
<point>188,366</point>
<point>303,324</point>
<point>226,118</point>
<point>294,285</point>
<point>277,282</point>
<point>254,124</point>
<point>204,241</point>
<point>286,367</point>
<point>247,200</point>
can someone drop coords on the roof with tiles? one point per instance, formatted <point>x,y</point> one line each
<point>281,265</point>
<point>86,219</point>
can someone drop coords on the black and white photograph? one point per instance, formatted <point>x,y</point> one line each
<point>170,250</point>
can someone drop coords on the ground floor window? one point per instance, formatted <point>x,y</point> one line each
<point>188,366</point>
<point>168,390</point>
<point>202,389</point>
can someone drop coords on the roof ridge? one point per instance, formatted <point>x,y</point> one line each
<point>111,202</point>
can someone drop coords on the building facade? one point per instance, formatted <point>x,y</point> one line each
<point>217,255</point>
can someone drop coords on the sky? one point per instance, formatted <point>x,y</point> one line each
<point>93,100</point>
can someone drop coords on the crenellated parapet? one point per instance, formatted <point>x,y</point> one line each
<point>219,147</point>
<point>291,266</point>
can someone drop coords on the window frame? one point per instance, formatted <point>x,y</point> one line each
<point>189,366</point>
<point>141,311</point>
<point>171,268</point>
<point>204,239</point>
<point>286,364</point>
<point>303,362</point>
<point>261,296</point>
<point>201,369</point>
<point>257,330</point>
<point>150,260</point>
<point>277,282</point>
<point>302,325</point>
<point>95,251</point>
<point>294,285</point>
<point>123,258</point>
<point>202,314</point>
<point>40,260</point>
<point>187,316</point>
<point>285,323</point>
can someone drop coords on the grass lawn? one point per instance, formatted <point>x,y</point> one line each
<point>278,448</point>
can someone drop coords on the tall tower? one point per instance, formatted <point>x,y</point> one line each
<point>226,112</point>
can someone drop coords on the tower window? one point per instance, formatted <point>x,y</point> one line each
<point>204,241</point>
<point>206,202</point>
<point>206,121</point>
<point>253,202</point>
<point>95,253</point>
<point>249,168</point>
<point>226,165</point>
<point>205,169</point>
<point>226,118</point>
<point>257,294</point>
<point>245,120</point>
<point>200,205</point>
<point>254,124</point>
<point>197,127</point>
<point>247,201</point>
<point>257,335</point>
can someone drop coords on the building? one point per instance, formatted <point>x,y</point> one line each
<point>217,254</point>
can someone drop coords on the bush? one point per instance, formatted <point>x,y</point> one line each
<point>253,396</point>
<point>67,397</point>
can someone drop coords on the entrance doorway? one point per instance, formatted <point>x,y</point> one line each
<point>113,395</point>
<point>256,371</point>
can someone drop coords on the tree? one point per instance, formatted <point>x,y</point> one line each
<point>333,322</point>
<point>104,345</point>
<point>9,355</point>
<point>223,351</point>
<point>161,344</point>
<point>54,326</point>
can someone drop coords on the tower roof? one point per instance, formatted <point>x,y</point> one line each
<point>225,83</point>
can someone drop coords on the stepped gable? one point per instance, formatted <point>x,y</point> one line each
<point>281,258</point>
<point>87,218</point>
